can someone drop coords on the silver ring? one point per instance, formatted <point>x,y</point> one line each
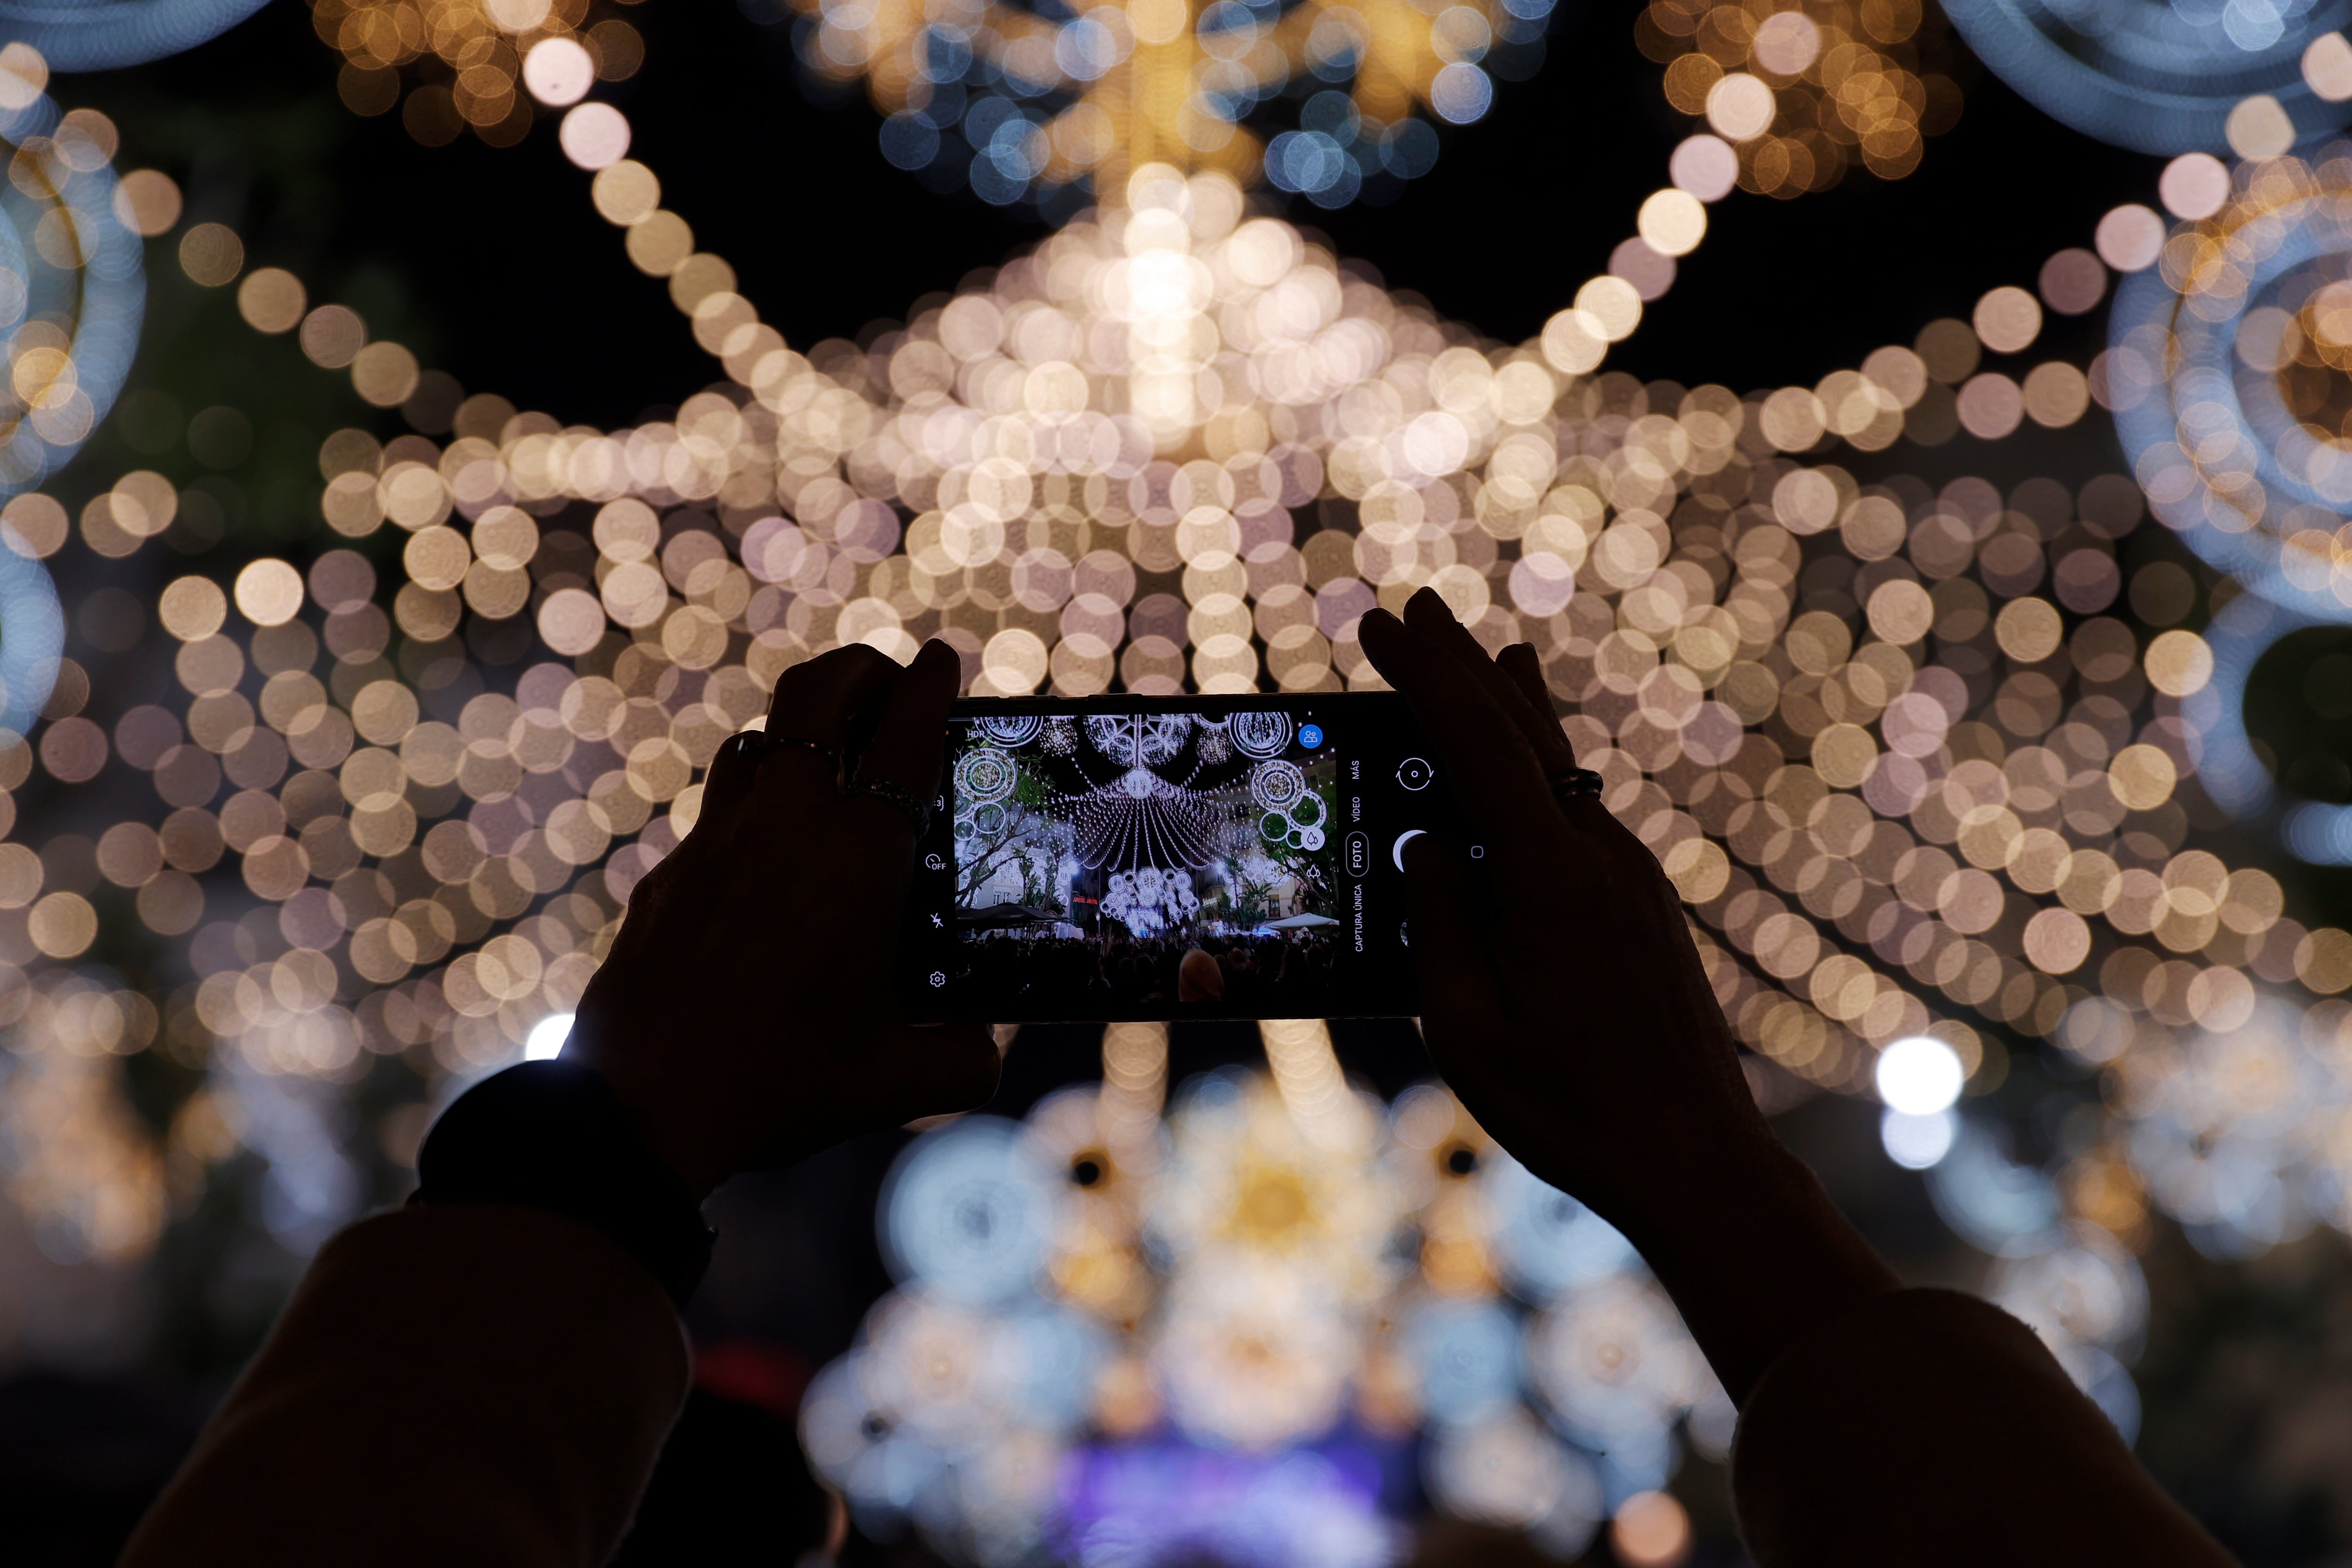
<point>759,745</point>
<point>915,810</point>
<point>1570,783</point>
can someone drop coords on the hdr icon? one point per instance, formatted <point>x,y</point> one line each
<point>1359,854</point>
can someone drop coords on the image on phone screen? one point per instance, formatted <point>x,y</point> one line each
<point>1167,857</point>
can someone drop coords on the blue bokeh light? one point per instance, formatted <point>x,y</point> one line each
<point>2152,76</point>
<point>968,1210</point>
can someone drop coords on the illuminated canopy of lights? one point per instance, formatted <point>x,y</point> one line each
<point>1913,771</point>
<point>1020,104</point>
<point>1881,764</point>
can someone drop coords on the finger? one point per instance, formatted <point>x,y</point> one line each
<point>1496,774</point>
<point>667,910</point>
<point>1525,667</point>
<point>1584,813</point>
<point>727,787</point>
<point>910,740</point>
<point>818,701</point>
<point>1428,614</point>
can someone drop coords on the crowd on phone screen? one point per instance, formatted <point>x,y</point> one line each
<point>1115,969</point>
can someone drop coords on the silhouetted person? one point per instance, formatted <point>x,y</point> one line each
<point>487,1375</point>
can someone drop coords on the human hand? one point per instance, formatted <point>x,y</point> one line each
<point>747,1011</point>
<point>1564,1000</point>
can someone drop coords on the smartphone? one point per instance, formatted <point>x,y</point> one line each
<point>1139,858</point>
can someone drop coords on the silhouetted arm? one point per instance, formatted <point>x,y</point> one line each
<point>1563,999</point>
<point>1926,1426</point>
<point>487,1377</point>
<point>451,1385</point>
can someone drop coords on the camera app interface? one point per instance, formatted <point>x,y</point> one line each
<point>1123,865</point>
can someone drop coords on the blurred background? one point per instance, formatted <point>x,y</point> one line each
<point>1919,442</point>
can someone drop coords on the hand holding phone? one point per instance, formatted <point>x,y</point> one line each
<point>1564,1000</point>
<point>743,1014</point>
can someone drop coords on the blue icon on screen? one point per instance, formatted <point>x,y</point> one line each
<point>1310,735</point>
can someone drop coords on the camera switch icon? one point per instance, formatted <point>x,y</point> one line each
<point>1414,772</point>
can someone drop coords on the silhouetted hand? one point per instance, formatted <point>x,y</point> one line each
<point>747,1009</point>
<point>1564,1000</point>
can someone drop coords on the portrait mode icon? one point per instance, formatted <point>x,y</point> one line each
<point>1310,735</point>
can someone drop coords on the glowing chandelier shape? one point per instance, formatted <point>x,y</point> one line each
<point>1338,450</point>
<point>1143,823</point>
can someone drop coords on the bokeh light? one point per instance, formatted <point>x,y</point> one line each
<point>1920,1076</point>
<point>1805,92</point>
<point>455,68</point>
<point>1333,103</point>
<point>2172,78</point>
<point>1291,1269</point>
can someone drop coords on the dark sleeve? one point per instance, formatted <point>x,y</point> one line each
<point>455,1384</point>
<point>1928,1429</point>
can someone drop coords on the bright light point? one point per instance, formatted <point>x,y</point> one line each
<point>1672,222</point>
<point>2194,186</point>
<point>558,71</point>
<point>545,1042</point>
<point>1920,1076</point>
<point>593,135</point>
<point>1915,1142</point>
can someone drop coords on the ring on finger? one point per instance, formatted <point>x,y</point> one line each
<point>915,810</point>
<point>1570,783</point>
<point>758,745</point>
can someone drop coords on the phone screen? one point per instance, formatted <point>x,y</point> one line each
<point>1164,857</point>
